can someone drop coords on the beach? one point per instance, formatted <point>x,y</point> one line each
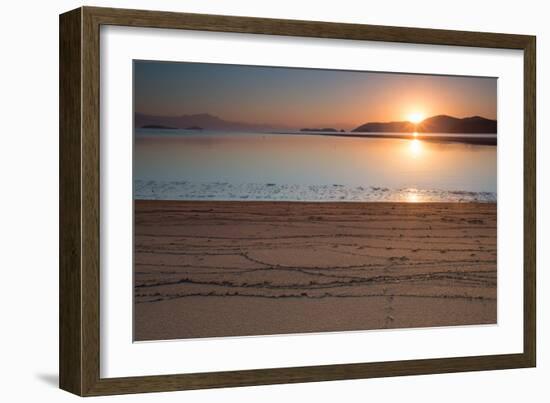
<point>224,268</point>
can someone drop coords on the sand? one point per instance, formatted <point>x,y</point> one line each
<point>213,269</point>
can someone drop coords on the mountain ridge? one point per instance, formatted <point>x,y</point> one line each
<point>434,124</point>
<point>203,120</point>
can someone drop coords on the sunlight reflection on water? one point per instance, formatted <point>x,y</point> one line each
<point>311,167</point>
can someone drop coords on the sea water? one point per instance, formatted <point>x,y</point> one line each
<point>203,165</point>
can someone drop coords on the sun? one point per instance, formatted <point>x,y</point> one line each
<point>415,117</point>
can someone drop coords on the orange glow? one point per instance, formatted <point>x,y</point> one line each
<point>293,98</point>
<point>412,196</point>
<point>415,148</point>
<point>415,117</point>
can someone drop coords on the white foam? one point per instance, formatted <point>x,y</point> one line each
<point>184,190</point>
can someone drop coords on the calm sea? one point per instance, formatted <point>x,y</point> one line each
<point>190,165</point>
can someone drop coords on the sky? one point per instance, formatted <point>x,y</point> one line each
<point>296,97</point>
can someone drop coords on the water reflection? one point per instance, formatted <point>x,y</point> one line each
<point>309,160</point>
<point>415,147</point>
<point>413,196</point>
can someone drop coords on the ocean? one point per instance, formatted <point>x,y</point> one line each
<point>205,165</point>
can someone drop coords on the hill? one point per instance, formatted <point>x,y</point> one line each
<point>202,120</point>
<point>434,124</point>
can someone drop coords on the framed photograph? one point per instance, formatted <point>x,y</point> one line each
<point>251,201</point>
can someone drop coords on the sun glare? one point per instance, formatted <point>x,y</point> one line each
<point>415,148</point>
<point>415,117</point>
<point>412,196</point>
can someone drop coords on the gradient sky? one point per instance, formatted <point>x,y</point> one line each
<point>292,97</point>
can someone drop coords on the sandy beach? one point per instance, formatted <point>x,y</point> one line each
<point>213,269</point>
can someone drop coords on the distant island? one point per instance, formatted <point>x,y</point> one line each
<point>325,129</point>
<point>434,124</point>
<point>199,121</point>
<point>169,127</point>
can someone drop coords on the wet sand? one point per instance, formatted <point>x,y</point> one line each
<point>213,269</point>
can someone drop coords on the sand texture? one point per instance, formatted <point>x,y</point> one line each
<point>212,269</point>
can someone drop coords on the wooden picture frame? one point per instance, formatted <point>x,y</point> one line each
<point>79,348</point>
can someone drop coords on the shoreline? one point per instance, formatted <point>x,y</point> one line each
<point>325,193</point>
<point>488,139</point>
<point>219,269</point>
<point>328,202</point>
<point>483,139</point>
